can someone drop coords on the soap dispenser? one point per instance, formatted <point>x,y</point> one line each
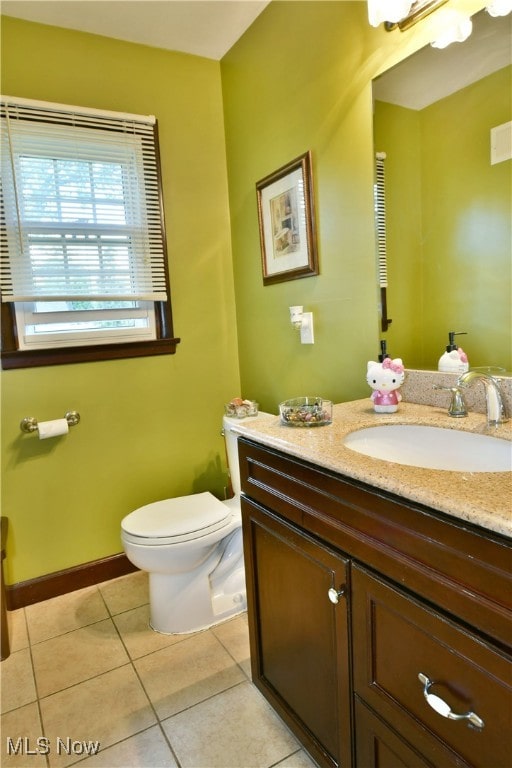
<point>454,360</point>
<point>383,351</point>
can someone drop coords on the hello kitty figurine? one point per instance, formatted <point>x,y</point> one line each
<point>385,378</point>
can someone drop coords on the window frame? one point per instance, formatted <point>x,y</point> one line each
<point>27,317</point>
<point>13,356</point>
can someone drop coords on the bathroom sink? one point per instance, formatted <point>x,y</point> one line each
<point>433,448</point>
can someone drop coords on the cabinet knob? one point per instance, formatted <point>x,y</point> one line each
<point>335,594</point>
<point>442,708</point>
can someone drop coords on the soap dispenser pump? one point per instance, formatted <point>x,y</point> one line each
<point>454,359</point>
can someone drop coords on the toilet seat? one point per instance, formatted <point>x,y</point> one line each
<point>171,521</point>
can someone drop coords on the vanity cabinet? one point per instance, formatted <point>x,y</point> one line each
<point>414,592</point>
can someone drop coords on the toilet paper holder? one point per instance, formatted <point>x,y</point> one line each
<point>29,423</point>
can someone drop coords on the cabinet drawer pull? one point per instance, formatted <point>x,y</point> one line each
<point>442,708</point>
<point>335,594</point>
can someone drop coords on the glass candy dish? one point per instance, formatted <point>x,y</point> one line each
<point>240,409</point>
<point>306,412</point>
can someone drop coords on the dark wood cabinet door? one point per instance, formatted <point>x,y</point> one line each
<point>299,631</point>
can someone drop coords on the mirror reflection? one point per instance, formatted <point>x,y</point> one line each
<point>440,119</point>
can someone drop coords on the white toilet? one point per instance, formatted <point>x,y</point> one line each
<point>191,547</point>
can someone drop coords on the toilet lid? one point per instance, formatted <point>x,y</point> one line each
<point>179,519</point>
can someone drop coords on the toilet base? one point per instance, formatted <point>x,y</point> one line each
<point>200,629</point>
<point>179,605</point>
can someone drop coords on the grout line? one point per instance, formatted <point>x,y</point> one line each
<point>38,698</point>
<point>292,754</point>
<point>121,741</point>
<point>68,631</point>
<point>158,721</point>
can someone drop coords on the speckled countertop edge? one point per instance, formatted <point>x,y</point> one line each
<point>481,498</point>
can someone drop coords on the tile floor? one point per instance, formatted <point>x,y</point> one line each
<point>86,668</point>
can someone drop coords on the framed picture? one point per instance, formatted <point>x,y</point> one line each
<point>287,222</point>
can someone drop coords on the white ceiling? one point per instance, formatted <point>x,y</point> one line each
<point>202,27</point>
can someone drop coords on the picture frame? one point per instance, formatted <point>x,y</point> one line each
<point>287,222</point>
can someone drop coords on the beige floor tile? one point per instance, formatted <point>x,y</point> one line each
<point>210,735</point>
<point>21,730</point>
<point>77,656</point>
<point>64,614</point>
<point>183,674</point>
<point>126,592</point>
<point>148,749</point>
<point>246,666</point>
<point>17,626</point>
<point>18,686</point>
<point>234,636</point>
<point>106,709</point>
<point>137,635</point>
<point>90,692</point>
<point>299,760</point>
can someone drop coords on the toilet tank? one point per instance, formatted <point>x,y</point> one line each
<point>230,439</point>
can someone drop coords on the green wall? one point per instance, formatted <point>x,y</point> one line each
<point>150,426</point>
<point>449,225</point>
<point>307,88</point>
<point>469,210</point>
<point>299,79</point>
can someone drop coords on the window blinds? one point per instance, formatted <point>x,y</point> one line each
<point>380,218</point>
<point>81,212</point>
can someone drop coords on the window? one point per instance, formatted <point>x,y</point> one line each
<point>83,265</point>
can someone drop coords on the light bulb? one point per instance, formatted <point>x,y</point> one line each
<point>499,7</point>
<point>456,28</point>
<point>387,10</point>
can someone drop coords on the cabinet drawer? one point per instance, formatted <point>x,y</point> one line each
<point>378,746</point>
<point>395,638</point>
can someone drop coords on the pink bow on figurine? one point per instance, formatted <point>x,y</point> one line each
<point>396,367</point>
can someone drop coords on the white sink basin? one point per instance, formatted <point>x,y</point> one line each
<point>433,448</point>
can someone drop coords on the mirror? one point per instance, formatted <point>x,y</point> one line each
<point>448,203</point>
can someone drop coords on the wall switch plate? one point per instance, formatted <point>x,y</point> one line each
<point>501,143</point>
<point>307,335</point>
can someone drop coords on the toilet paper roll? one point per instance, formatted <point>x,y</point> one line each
<point>52,428</point>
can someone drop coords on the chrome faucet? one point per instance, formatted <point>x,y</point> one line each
<point>495,406</point>
<point>457,407</point>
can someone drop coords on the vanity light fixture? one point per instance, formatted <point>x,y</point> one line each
<point>403,14</point>
<point>400,13</point>
<point>454,26</point>
<point>387,11</point>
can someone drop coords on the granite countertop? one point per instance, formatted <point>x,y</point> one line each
<point>482,498</point>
